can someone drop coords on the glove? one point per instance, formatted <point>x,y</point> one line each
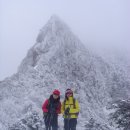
<point>45,113</point>
<point>67,111</point>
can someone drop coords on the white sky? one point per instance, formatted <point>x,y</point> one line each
<point>98,23</point>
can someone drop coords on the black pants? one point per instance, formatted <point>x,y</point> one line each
<point>70,123</point>
<point>51,121</point>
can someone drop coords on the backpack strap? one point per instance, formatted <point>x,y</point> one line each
<point>74,104</point>
<point>64,104</point>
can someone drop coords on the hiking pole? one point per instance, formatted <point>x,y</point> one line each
<point>68,121</point>
<point>68,117</point>
<point>50,121</point>
<point>49,125</point>
<point>46,117</point>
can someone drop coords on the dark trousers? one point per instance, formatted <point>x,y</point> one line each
<point>51,128</point>
<point>70,123</point>
<point>51,121</point>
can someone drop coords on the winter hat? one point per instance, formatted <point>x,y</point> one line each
<point>56,92</point>
<point>68,91</point>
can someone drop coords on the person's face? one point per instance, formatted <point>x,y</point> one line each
<point>55,96</point>
<point>69,94</point>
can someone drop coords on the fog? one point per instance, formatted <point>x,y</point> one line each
<point>100,24</point>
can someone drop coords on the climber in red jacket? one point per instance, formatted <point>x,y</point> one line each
<point>51,108</point>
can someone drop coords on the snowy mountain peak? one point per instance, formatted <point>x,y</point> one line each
<point>54,39</point>
<point>55,26</point>
<point>54,18</point>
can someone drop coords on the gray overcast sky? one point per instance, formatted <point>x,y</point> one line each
<point>98,23</point>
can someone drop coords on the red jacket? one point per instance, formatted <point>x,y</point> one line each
<point>45,105</point>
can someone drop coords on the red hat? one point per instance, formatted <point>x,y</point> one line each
<point>68,91</point>
<point>56,92</point>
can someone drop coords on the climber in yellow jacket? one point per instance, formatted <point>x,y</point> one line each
<point>70,110</point>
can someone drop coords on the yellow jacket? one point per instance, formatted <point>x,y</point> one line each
<point>73,113</point>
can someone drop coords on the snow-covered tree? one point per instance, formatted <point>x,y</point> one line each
<point>32,121</point>
<point>93,125</point>
<point>121,114</point>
